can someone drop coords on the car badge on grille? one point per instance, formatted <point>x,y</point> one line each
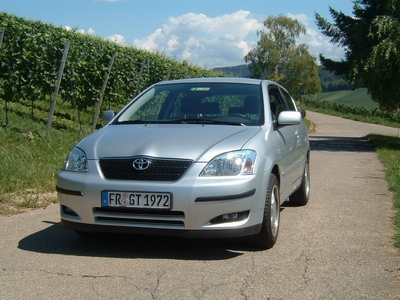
<point>141,163</point>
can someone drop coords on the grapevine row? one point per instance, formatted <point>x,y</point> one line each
<point>30,56</point>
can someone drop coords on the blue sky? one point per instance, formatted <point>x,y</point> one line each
<point>207,33</point>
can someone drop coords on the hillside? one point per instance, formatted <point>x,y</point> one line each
<point>358,97</point>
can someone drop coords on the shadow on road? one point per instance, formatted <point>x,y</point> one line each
<point>342,144</point>
<point>57,240</point>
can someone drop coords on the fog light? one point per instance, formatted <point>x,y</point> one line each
<point>232,217</point>
<point>68,211</point>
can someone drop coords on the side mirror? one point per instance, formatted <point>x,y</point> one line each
<point>303,113</point>
<point>108,115</point>
<point>289,118</point>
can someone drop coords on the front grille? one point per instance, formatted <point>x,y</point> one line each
<point>139,217</point>
<point>158,170</point>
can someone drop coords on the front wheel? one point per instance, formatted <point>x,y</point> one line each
<point>268,235</point>
<point>301,196</point>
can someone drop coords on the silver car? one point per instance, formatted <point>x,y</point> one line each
<point>199,158</point>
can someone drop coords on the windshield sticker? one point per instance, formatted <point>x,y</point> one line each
<point>199,89</point>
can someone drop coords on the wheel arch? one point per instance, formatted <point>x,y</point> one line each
<point>276,172</point>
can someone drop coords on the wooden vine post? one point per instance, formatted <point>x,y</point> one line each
<point>6,106</point>
<point>139,77</point>
<point>57,88</point>
<point>168,73</point>
<point>103,89</point>
<point>1,35</point>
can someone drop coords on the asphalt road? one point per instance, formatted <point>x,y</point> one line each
<point>339,246</point>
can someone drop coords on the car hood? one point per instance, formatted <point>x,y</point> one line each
<point>187,141</point>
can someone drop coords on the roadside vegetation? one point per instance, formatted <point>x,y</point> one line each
<point>30,162</point>
<point>388,149</point>
<point>330,103</point>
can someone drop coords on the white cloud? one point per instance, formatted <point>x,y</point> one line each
<point>90,31</point>
<point>220,41</point>
<point>117,38</point>
<point>204,41</point>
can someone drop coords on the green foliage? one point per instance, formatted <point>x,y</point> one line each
<point>30,57</point>
<point>277,57</point>
<point>371,41</point>
<point>270,58</point>
<point>382,69</point>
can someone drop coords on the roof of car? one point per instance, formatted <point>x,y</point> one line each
<point>216,80</point>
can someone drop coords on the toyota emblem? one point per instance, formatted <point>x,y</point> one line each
<point>141,163</point>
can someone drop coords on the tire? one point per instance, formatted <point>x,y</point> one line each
<point>301,196</point>
<point>268,235</point>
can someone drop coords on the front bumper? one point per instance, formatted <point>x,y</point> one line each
<point>196,234</point>
<point>197,203</point>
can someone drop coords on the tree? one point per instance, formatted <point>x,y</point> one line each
<point>277,57</point>
<point>371,41</point>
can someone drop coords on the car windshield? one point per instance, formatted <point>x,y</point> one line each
<point>200,103</point>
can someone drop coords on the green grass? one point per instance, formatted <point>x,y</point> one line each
<point>388,149</point>
<point>30,162</point>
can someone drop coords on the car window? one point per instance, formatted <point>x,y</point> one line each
<point>146,108</point>
<point>288,100</point>
<point>221,102</point>
<point>275,100</point>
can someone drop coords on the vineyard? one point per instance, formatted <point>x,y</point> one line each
<point>31,54</point>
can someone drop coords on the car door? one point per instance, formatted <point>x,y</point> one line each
<point>289,141</point>
<point>298,133</point>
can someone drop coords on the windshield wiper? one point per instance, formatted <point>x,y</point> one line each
<point>205,121</point>
<point>135,122</point>
<point>182,121</point>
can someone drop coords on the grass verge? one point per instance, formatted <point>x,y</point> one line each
<point>388,149</point>
<point>29,162</point>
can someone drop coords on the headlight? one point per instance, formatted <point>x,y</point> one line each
<point>230,164</point>
<point>76,161</point>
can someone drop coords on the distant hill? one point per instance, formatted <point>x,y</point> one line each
<point>235,71</point>
<point>359,97</point>
<point>329,81</point>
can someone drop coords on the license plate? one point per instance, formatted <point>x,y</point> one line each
<point>136,199</point>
